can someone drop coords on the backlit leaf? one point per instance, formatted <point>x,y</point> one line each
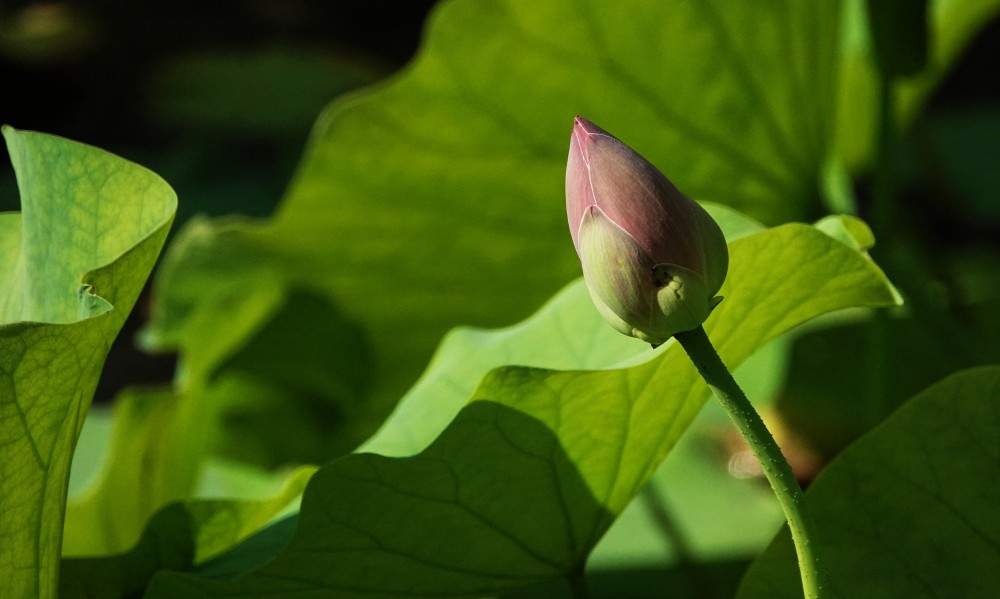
<point>72,265</point>
<point>525,480</point>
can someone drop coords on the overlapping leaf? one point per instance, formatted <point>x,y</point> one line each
<point>436,199</point>
<point>525,480</point>
<point>72,265</point>
<point>909,510</point>
<point>547,339</point>
<point>157,456</point>
<point>567,333</point>
<point>178,537</point>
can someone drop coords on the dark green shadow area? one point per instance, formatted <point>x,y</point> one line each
<point>493,505</point>
<point>179,537</point>
<point>693,580</point>
<point>306,403</point>
<point>251,554</point>
<point>708,580</point>
<point>845,380</point>
<point>166,544</point>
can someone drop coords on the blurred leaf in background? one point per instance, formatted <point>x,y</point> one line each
<point>240,118</point>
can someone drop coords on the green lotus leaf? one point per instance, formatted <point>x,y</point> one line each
<point>521,485</point>
<point>436,199</point>
<point>72,265</point>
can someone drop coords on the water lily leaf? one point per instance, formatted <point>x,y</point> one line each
<point>72,265</point>
<point>521,485</point>
<point>928,529</point>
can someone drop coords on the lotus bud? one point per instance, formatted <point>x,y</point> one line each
<point>653,259</point>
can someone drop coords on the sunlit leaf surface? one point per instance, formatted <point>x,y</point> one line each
<point>71,266</point>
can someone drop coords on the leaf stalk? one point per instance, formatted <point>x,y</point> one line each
<point>786,487</point>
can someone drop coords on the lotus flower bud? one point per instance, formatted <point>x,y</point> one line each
<point>653,259</point>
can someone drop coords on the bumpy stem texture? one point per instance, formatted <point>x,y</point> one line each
<point>772,461</point>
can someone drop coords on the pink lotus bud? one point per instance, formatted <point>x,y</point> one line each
<point>653,259</point>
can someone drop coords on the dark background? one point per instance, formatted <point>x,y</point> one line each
<point>216,97</point>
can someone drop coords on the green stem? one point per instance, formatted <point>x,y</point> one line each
<point>772,461</point>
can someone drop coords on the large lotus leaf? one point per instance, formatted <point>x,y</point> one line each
<point>719,513</point>
<point>910,509</point>
<point>550,339</point>
<point>546,339</point>
<point>73,263</point>
<point>523,483</point>
<point>566,333</point>
<point>436,199</point>
<point>716,524</point>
